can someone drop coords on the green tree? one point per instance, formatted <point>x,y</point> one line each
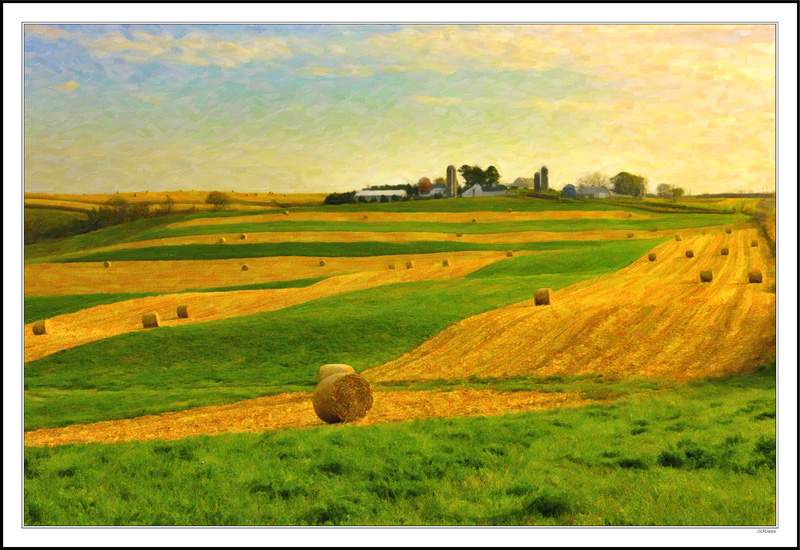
<point>472,175</point>
<point>440,181</point>
<point>664,190</point>
<point>626,183</point>
<point>218,200</point>
<point>677,193</point>
<point>492,176</point>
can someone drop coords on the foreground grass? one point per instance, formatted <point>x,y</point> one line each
<point>702,453</point>
<point>222,361</point>
<point>44,307</point>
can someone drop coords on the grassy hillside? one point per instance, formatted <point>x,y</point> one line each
<point>700,454</point>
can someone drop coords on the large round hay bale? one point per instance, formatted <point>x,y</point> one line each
<point>342,397</point>
<point>706,276</point>
<point>630,235</point>
<point>689,254</point>
<point>323,263</point>
<point>285,212</point>
<point>334,368</point>
<point>243,236</point>
<point>245,267</point>
<point>724,251</point>
<point>678,238</point>
<point>753,243</point>
<point>106,264</point>
<point>652,256</point>
<point>183,311</point>
<point>541,297</point>
<point>754,276</point>
<point>42,327</point>
<point>365,217</point>
<point>459,234</point>
<point>474,220</point>
<point>509,253</point>
<point>392,265</point>
<point>510,210</point>
<point>151,320</point>
<point>410,264</point>
<point>222,240</point>
<point>654,229</point>
<point>728,230</point>
<point>630,215</point>
<point>445,263</point>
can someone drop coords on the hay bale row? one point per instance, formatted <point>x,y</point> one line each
<point>42,327</point>
<point>724,251</point>
<point>754,276</point>
<point>652,256</point>
<point>541,297</point>
<point>342,397</point>
<point>706,276</point>
<point>689,254</point>
<point>151,320</point>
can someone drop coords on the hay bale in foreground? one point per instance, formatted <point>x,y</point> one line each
<point>652,256</point>
<point>222,240</point>
<point>724,251</point>
<point>630,235</point>
<point>42,327</point>
<point>392,265</point>
<point>245,267</point>
<point>689,254</point>
<point>151,320</point>
<point>541,297</point>
<point>183,311</point>
<point>706,276</point>
<point>754,276</point>
<point>678,238</point>
<point>410,264</point>
<point>728,230</point>
<point>753,243</point>
<point>342,397</point>
<point>106,264</point>
<point>445,263</point>
<point>323,263</point>
<point>243,236</point>
<point>334,368</point>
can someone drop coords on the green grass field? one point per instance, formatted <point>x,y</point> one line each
<point>700,454</point>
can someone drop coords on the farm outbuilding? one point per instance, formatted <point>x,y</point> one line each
<point>375,196</point>
<point>478,191</point>
<point>569,192</point>
<point>593,192</point>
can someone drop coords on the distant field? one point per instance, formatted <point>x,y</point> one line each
<point>47,220</point>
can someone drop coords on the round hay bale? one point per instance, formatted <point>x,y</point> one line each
<point>222,240</point>
<point>42,327</point>
<point>342,397</point>
<point>703,232</point>
<point>459,234</point>
<point>654,229</point>
<point>510,210</point>
<point>474,220</point>
<point>678,238</point>
<point>392,265</point>
<point>243,236</point>
<point>151,320</point>
<point>323,263</point>
<point>728,230</point>
<point>724,251</point>
<point>754,276</point>
<point>541,297</point>
<point>689,254</point>
<point>509,253</point>
<point>365,217</point>
<point>652,256</point>
<point>334,368</point>
<point>245,267</point>
<point>410,264</point>
<point>630,235</point>
<point>753,243</point>
<point>285,212</point>
<point>445,263</point>
<point>706,276</point>
<point>106,264</point>
<point>630,215</point>
<point>183,311</point>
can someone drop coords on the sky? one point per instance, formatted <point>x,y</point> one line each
<point>323,108</point>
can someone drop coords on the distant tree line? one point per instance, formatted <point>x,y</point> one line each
<point>475,175</point>
<point>667,191</point>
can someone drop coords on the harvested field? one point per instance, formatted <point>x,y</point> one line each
<point>399,236</point>
<point>650,319</point>
<point>444,217</point>
<point>109,320</point>
<point>50,279</point>
<point>188,198</point>
<point>295,411</point>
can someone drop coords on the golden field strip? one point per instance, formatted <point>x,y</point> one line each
<point>402,237</point>
<point>295,410</point>
<point>58,279</point>
<point>191,198</point>
<point>442,217</point>
<point>104,321</point>
<point>651,319</point>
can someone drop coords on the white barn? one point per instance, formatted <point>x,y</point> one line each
<point>372,196</point>
<point>477,191</point>
<point>593,192</point>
